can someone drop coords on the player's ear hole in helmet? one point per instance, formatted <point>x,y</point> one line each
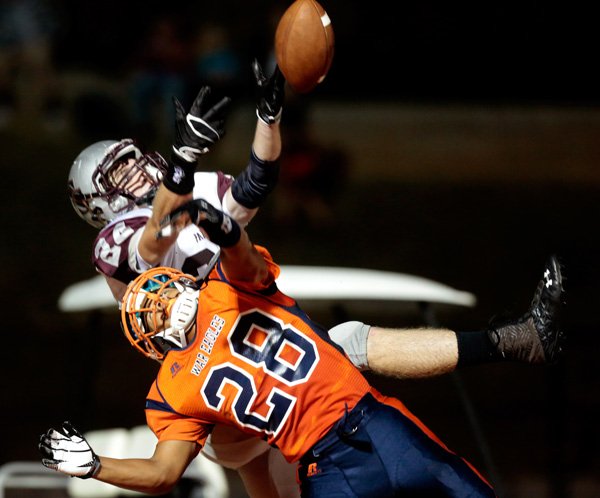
<point>159,310</point>
<point>111,177</point>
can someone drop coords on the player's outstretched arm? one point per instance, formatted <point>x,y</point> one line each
<point>155,475</point>
<point>66,450</point>
<point>240,259</point>
<point>253,185</point>
<point>195,132</point>
<point>243,263</point>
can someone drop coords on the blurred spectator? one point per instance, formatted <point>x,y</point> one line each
<point>28,86</point>
<point>312,174</point>
<point>159,73</point>
<point>215,60</point>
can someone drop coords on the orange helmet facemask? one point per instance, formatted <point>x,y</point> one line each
<point>158,309</point>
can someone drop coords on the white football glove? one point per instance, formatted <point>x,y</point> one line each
<point>67,451</point>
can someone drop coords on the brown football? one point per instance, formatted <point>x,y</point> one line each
<point>304,44</point>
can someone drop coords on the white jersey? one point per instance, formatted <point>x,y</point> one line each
<point>115,249</point>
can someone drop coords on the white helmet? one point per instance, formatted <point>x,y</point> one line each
<point>97,194</point>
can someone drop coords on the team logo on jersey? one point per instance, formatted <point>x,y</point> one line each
<point>175,368</point>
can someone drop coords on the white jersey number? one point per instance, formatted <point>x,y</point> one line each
<point>282,351</point>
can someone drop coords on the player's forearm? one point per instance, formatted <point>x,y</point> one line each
<point>267,141</point>
<point>242,262</point>
<point>143,475</point>
<point>237,211</point>
<point>411,353</point>
<point>150,248</point>
<point>252,186</point>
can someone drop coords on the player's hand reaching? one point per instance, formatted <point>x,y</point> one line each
<point>200,128</point>
<point>220,227</point>
<point>67,451</point>
<point>270,93</point>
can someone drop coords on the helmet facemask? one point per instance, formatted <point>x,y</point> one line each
<point>159,309</point>
<point>122,185</point>
<point>113,185</point>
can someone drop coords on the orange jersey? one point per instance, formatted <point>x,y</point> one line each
<point>257,363</point>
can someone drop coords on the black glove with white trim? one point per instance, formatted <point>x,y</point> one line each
<point>200,128</point>
<point>270,94</point>
<point>220,227</point>
<point>66,450</point>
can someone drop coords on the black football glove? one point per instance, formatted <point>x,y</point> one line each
<point>220,227</point>
<point>270,93</point>
<point>66,450</point>
<point>199,129</point>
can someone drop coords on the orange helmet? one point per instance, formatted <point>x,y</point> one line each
<point>158,309</point>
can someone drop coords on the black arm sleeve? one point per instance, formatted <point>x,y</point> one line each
<point>255,183</point>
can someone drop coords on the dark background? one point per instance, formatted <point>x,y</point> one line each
<point>532,430</point>
<point>433,51</point>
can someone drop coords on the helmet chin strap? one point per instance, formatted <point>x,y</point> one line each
<point>182,313</point>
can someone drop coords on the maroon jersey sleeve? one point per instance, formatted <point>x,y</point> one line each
<point>212,186</point>
<point>223,183</point>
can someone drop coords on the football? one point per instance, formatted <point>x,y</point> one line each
<point>304,45</point>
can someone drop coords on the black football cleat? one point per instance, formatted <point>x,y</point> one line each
<point>535,337</point>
